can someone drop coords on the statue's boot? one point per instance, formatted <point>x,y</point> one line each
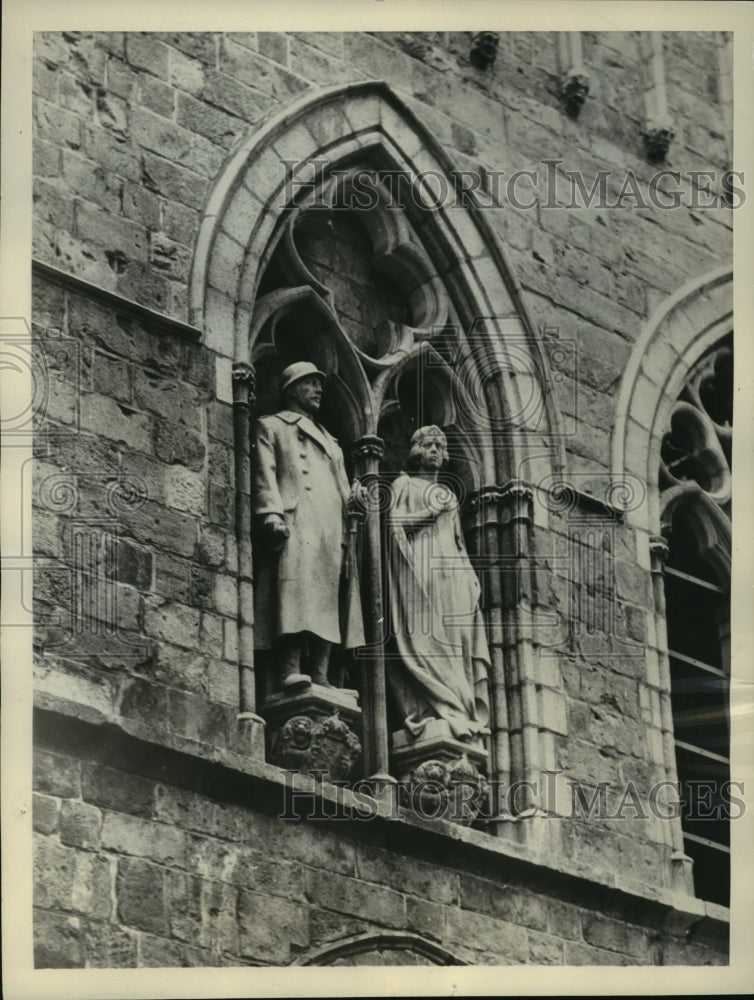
<point>320,661</point>
<point>290,663</point>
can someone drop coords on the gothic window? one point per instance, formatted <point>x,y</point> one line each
<point>695,483</point>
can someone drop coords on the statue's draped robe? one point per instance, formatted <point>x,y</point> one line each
<point>435,614</point>
<point>299,474</point>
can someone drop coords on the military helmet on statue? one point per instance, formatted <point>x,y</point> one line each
<point>297,371</point>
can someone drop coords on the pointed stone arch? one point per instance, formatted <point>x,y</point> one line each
<point>685,326</point>
<point>326,129</point>
<point>455,253</point>
<point>380,948</point>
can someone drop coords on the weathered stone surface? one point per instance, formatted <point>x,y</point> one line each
<point>159,953</point>
<point>147,53</point>
<point>140,892</point>
<point>204,912</point>
<point>56,774</point>
<point>71,880</point>
<point>176,444</point>
<point>173,180</point>
<point>193,812</point>
<point>45,811</point>
<point>139,837</point>
<point>57,942</point>
<point>425,917</point>
<point>505,902</point>
<point>466,927</point>
<point>197,718</point>
<point>118,790</point>
<point>80,825</point>
<point>106,946</point>
<point>173,623</point>
<point>601,932</point>
<point>185,490</point>
<point>407,875</point>
<point>578,953</point>
<point>223,682</point>
<point>135,565</point>
<point>120,423</point>
<point>269,927</point>
<point>347,895</point>
<point>184,669</point>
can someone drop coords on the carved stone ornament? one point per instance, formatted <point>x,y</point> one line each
<point>453,789</point>
<point>369,446</point>
<point>657,139</point>
<point>574,89</point>
<point>328,745</point>
<point>696,448</point>
<point>502,504</point>
<point>484,46</point>
<point>244,383</point>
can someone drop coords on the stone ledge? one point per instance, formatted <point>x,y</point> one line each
<point>62,725</point>
<point>154,321</point>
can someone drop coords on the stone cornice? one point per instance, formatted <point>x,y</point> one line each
<point>155,322</point>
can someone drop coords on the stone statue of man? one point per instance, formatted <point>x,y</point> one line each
<point>434,601</point>
<point>303,604</point>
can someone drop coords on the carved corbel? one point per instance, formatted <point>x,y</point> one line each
<point>453,789</point>
<point>244,384</point>
<point>658,552</point>
<point>574,89</point>
<point>574,81</point>
<point>657,138</point>
<point>484,46</point>
<point>327,745</point>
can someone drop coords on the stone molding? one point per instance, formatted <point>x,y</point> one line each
<point>684,327</point>
<point>360,944</point>
<point>154,321</point>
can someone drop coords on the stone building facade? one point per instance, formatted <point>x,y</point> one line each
<point>524,238</point>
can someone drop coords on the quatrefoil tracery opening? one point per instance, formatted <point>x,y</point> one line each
<point>696,448</point>
<point>359,253</point>
<point>351,288</point>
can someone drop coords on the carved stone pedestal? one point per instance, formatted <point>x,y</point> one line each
<point>440,777</point>
<point>314,730</point>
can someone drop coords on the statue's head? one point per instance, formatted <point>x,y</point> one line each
<point>429,449</point>
<point>301,386</point>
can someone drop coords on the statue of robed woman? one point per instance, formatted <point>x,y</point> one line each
<point>434,601</point>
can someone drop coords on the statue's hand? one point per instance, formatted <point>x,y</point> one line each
<point>275,530</point>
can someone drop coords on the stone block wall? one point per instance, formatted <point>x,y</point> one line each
<point>129,132</point>
<point>136,872</point>
<point>141,419</point>
<point>138,124</point>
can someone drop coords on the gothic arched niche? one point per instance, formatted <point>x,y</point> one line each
<point>304,253</point>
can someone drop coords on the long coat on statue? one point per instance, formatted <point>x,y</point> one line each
<point>310,585</point>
